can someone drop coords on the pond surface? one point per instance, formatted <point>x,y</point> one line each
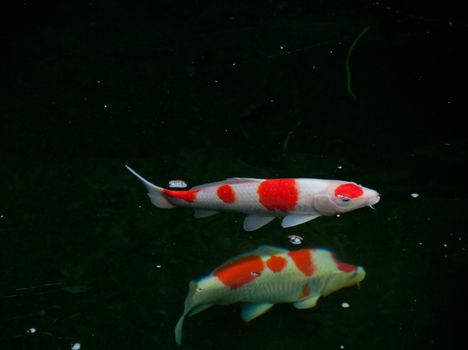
<point>369,92</point>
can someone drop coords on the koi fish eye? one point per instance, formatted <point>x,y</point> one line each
<point>343,198</point>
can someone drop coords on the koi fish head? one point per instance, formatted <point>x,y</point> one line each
<point>341,197</point>
<point>201,292</point>
<point>346,275</point>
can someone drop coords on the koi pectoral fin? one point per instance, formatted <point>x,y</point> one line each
<point>297,219</point>
<point>307,303</point>
<point>254,222</point>
<point>251,311</point>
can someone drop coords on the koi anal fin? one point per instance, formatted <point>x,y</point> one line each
<point>155,193</point>
<point>204,213</point>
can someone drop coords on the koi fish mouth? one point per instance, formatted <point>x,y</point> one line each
<point>375,200</point>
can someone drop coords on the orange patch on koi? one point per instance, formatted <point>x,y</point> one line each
<point>278,194</point>
<point>226,194</point>
<point>188,196</point>
<point>238,272</point>
<point>303,261</point>
<point>305,291</point>
<point>349,190</point>
<point>276,263</point>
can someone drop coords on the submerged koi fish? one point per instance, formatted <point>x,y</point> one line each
<point>297,200</point>
<point>269,276</point>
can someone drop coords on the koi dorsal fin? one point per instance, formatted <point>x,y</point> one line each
<point>243,179</point>
<point>228,181</point>
<point>263,250</point>
<point>269,250</point>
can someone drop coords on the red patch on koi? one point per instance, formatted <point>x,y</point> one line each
<point>276,263</point>
<point>343,266</point>
<point>303,261</point>
<point>188,196</point>
<point>305,292</point>
<point>348,190</point>
<point>226,194</point>
<point>278,194</point>
<point>238,272</point>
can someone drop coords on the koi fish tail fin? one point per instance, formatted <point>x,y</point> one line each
<point>178,329</point>
<point>155,193</point>
<point>187,309</point>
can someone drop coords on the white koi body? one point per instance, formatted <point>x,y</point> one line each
<point>297,200</point>
<point>269,276</point>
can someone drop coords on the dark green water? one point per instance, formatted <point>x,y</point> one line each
<point>208,90</point>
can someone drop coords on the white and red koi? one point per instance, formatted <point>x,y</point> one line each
<point>269,276</point>
<point>297,200</point>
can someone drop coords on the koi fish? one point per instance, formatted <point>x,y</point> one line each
<point>296,200</point>
<point>268,276</point>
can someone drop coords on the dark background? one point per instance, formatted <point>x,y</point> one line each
<point>204,90</point>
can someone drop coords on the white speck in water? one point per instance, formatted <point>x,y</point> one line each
<point>345,305</point>
<point>99,82</point>
<point>415,195</point>
<point>272,100</point>
<point>341,346</point>
<point>338,215</point>
<point>459,238</point>
<point>75,346</point>
<point>295,239</point>
<point>216,81</point>
<point>313,67</point>
<point>31,330</point>
<point>2,216</point>
<point>177,184</point>
<point>449,102</point>
<point>339,167</point>
<point>445,245</point>
<point>233,64</point>
<point>420,243</point>
<point>281,47</point>
<point>105,106</point>
<point>158,266</point>
<point>331,51</point>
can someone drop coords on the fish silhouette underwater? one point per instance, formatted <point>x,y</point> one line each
<point>296,200</point>
<point>267,276</point>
